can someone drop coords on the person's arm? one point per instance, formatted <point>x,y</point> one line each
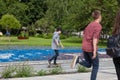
<point>95,41</point>
<point>56,41</point>
<point>61,44</point>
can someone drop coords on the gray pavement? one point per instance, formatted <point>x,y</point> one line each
<point>106,71</point>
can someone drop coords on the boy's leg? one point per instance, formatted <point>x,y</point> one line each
<point>53,57</point>
<point>56,55</point>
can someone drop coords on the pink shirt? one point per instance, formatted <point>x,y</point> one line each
<point>91,31</point>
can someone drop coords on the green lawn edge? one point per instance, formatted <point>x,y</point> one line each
<point>36,41</point>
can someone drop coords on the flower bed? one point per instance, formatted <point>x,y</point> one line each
<point>20,37</point>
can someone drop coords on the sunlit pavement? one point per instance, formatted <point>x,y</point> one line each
<point>106,71</point>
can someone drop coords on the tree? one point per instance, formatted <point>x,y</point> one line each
<point>71,15</point>
<point>109,10</point>
<point>15,8</point>
<point>35,10</point>
<point>19,11</point>
<point>44,25</point>
<point>118,2</point>
<point>9,22</point>
<point>57,10</point>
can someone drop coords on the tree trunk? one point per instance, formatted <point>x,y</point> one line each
<point>8,34</point>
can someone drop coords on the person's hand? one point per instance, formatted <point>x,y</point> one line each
<point>62,46</point>
<point>94,55</point>
<point>58,44</point>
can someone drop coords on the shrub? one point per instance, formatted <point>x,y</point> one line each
<point>8,72</point>
<point>42,72</point>
<point>24,71</point>
<point>56,70</point>
<point>47,36</point>
<point>39,35</point>
<point>23,34</point>
<point>81,69</point>
<point>63,36</point>
<point>17,71</point>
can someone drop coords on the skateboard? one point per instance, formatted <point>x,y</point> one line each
<point>53,65</point>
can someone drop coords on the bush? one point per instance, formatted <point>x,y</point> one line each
<point>23,35</point>
<point>81,69</point>
<point>63,36</point>
<point>17,71</point>
<point>8,72</point>
<point>45,36</point>
<point>42,73</point>
<point>39,35</point>
<point>56,70</point>
<point>24,71</point>
<point>49,36</point>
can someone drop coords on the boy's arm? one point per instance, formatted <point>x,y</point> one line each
<point>56,41</point>
<point>61,44</point>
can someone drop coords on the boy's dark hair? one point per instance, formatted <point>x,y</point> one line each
<point>96,14</point>
<point>58,29</point>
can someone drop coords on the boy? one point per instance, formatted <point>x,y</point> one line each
<point>55,45</point>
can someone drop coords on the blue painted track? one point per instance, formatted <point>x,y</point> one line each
<point>23,53</point>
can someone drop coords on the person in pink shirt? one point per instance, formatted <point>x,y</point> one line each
<point>89,45</point>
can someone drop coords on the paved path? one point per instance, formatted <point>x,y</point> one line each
<point>77,76</point>
<point>106,72</point>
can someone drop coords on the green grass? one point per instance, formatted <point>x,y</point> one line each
<point>34,41</point>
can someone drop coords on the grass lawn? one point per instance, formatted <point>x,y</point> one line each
<point>34,41</point>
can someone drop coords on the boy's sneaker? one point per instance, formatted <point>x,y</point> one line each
<point>75,61</point>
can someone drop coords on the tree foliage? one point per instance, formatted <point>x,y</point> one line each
<point>44,25</point>
<point>75,15</point>
<point>9,22</point>
<point>71,15</point>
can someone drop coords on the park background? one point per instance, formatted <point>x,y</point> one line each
<point>37,20</point>
<point>29,24</point>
